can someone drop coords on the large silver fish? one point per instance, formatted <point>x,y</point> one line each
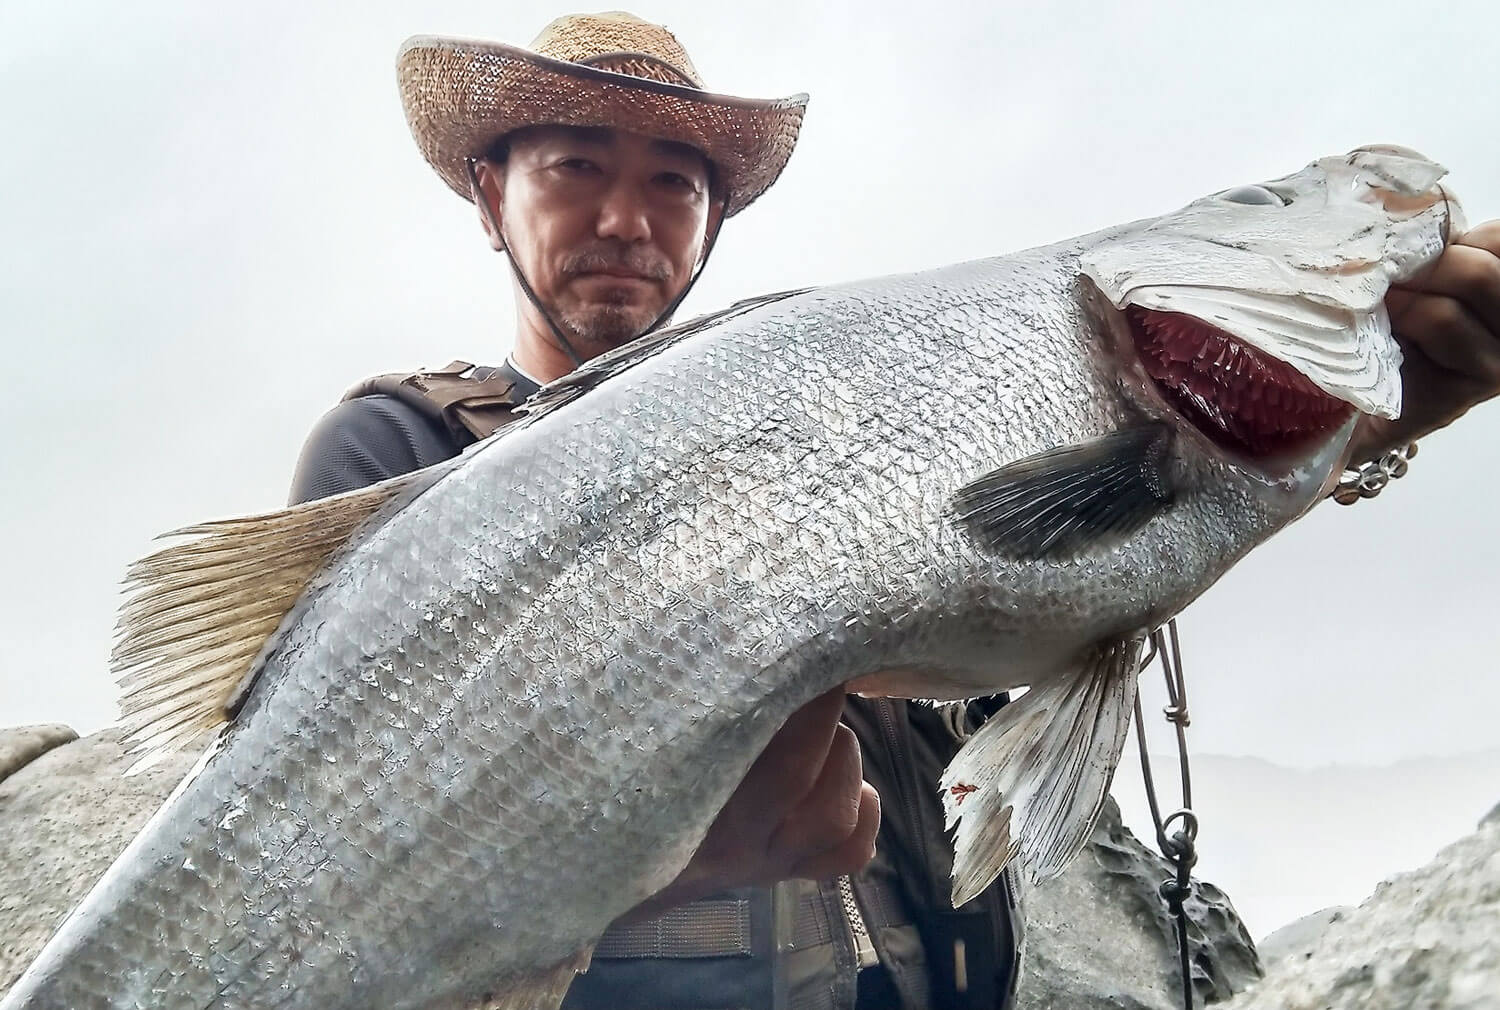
<point>492,706</point>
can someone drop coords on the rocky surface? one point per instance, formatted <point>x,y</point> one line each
<point>64,817</point>
<point>1296,938</point>
<point>1428,939</point>
<point>1100,935</point>
<point>24,744</point>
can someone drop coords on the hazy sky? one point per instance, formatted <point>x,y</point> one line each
<point>215,221</point>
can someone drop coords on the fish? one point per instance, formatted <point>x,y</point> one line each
<point>455,724</point>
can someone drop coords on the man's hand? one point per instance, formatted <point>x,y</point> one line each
<point>1448,324</point>
<point>803,810</point>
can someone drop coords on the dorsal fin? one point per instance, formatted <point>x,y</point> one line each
<point>199,613</point>
<point>594,371</point>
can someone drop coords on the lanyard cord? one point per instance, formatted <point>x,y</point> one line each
<point>1180,849</point>
<point>531,296</point>
<point>536,302</point>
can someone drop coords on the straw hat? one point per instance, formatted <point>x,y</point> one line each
<point>588,70</point>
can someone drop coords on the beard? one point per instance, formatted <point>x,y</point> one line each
<point>613,320</point>
<point>602,326</point>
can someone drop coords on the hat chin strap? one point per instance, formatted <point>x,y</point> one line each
<point>536,302</point>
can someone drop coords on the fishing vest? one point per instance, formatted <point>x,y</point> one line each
<point>800,945</point>
<point>471,401</point>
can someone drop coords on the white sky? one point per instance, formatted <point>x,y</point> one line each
<point>215,221</point>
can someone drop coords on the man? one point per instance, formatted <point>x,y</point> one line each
<point>607,208</point>
<point>602,169</point>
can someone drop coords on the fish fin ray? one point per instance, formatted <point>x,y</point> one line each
<point>198,614</point>
<point>584,378</point>
<point>543,989</point>
<point>1030,784</point>
<point>1065,500</point>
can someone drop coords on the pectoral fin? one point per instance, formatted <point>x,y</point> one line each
<point>1060,502</point>
<point>1030,784</point>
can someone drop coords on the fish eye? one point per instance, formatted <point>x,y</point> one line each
<point>1252,195</point>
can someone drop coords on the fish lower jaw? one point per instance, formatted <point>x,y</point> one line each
<point>1243,400</point>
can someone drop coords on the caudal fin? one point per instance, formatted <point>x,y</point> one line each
<point>1030,784</point>
<point>199,612</point>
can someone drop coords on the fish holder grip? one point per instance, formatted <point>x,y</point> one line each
<point>1369,479</point>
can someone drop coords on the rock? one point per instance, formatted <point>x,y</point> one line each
<point>1296,939</point>
<point>24,744</point>
<point>1100,935</point>
<point>1428,939</point>
<point>64,817</point>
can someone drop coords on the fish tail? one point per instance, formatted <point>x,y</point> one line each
<point>1031,783</point>
<point>200,612</point>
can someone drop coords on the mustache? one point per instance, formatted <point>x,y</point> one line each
<point>624,259</point>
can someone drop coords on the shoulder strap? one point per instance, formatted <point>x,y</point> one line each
<point>472,402</point>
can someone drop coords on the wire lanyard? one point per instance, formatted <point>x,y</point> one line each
<point>1180,849</point>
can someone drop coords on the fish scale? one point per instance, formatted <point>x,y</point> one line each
<point>507,710</point>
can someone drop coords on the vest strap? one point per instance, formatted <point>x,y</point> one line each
<point>472,402</point>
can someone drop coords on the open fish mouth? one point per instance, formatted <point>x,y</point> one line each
<point>1241,398</point>
<point>1258,312</point>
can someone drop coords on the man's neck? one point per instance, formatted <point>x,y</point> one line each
<point>522,372</point>
<point>539,361</point>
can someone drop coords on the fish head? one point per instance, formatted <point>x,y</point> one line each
<point>1258,312</point>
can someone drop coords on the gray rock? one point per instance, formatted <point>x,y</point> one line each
<point>1428,939</point>
<point>1297,938</point>
<point>1100,938</point>
<point>64,817</point>
<point>21,745</point>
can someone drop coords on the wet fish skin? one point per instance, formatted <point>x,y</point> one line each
<point>509,713</point>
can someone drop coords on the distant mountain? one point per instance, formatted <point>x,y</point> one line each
<point>1284,842</point>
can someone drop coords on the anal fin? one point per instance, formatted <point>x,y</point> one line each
<point>542,989</point>
<point>1065,500</point>
<point>1030,784</point>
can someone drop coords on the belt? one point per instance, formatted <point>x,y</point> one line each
<point>720,927</point>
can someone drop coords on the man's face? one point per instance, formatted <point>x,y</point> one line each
<point>606,225</point>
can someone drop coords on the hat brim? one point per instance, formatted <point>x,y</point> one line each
<point>462,94</point>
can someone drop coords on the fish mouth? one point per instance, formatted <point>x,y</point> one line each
<point>1241,398</point>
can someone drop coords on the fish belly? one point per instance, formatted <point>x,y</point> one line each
<point>510,713</point>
